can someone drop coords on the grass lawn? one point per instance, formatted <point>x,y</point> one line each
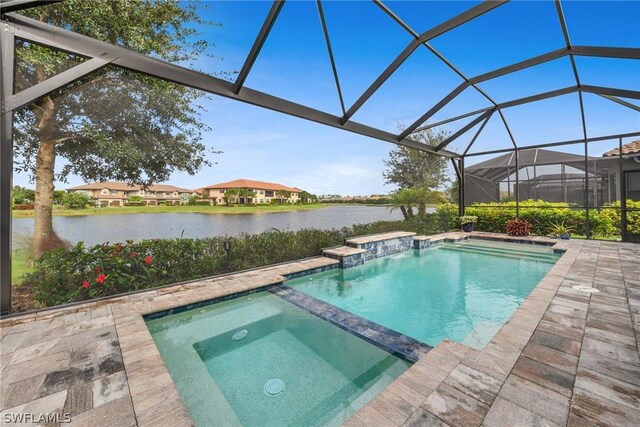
<point>19,265</point>
<point>60,211</point>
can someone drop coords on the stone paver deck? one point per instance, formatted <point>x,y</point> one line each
<point>565,357</point>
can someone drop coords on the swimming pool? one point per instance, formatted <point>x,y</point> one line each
<point>464,291</point>
<point>258,360</point>
<point>313,350</point>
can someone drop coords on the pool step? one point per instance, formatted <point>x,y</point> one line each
<point>507,250</point>
<point>540,249</point>
<point>511,255</point>
<point>502,251</point>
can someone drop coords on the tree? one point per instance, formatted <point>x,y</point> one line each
<point>22,195</point>
<point>115,124</point>
<point>76,200</point>
<point>58,195</point>
<point>424,196</point>
<point>306,197</point>
<point>245,194</point>
<point>453,190</point>
<point>231,195</point>
<point>405,200</point>
<point>409,167</point>
<point>283,195</point>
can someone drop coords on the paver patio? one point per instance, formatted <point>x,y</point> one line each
<point>565,357</point>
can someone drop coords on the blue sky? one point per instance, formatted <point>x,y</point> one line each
<point>294,64</point>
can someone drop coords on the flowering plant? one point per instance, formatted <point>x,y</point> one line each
<point>518,227</point>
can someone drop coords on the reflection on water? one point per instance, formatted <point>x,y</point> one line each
<point>96,229</point>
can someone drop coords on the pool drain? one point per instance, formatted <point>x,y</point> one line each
<point>274,387</point>
<point>239,335</point>
<point>583,288</point>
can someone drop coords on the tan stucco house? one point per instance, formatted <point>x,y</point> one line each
<point>116,193</point>
<point>265,192</point>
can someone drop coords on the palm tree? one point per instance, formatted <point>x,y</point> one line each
<point>245,194</point>
<point>307,197</point>
<point>230,195</point>
<point>423,196</point>
<point>405,199</point>
<point>283,195</point>
<point>408,198</point>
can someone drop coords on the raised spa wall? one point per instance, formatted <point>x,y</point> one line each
<point>361,249</point>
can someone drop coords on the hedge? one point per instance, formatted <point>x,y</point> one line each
<point>604,222</point>
<point>62,276</point>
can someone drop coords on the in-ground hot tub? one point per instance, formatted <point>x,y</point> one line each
<point>258,360</point>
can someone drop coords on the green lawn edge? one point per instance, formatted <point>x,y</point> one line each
<point>174,209</point>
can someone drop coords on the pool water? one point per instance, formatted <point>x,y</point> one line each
<point>464,292</point>
<point>222,356</point>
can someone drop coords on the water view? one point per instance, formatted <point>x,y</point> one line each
<point>96,229</point>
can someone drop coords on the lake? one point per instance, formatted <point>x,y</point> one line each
<point>96,229</point>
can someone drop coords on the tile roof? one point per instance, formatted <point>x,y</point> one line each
<point>630,148</point>
<point>248,183</point>
<point>123,186</point>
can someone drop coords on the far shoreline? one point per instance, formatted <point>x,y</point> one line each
<point>227,210</point>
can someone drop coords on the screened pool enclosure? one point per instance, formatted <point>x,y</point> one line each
<point>494,147</point>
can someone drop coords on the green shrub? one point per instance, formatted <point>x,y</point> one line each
<point>65,276</point>
<point>21,195</point>
<point>62,276</point>
<point>134,199</point>
<point>603,222</point>
<point>610,217</point>
<point>76,200</point>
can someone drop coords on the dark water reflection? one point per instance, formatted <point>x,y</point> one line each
<point>96,229</point>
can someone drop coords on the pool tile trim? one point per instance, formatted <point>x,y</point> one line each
<point>393,342</point>
<point>380,245</point>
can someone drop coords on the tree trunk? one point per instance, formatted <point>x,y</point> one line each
<point>422,209</point>
<point>44,238</point>
<point>410,211</point>
<point>405,214</point>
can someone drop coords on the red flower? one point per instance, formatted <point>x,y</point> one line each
<point>148,259</point>
<point>101,278</point>
<point>98,269</point>
<point>86,284</point>
<point>133,254</point>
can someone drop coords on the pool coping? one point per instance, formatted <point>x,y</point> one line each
<point>154,396</point>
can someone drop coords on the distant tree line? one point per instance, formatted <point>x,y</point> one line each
<point>23,198</point>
